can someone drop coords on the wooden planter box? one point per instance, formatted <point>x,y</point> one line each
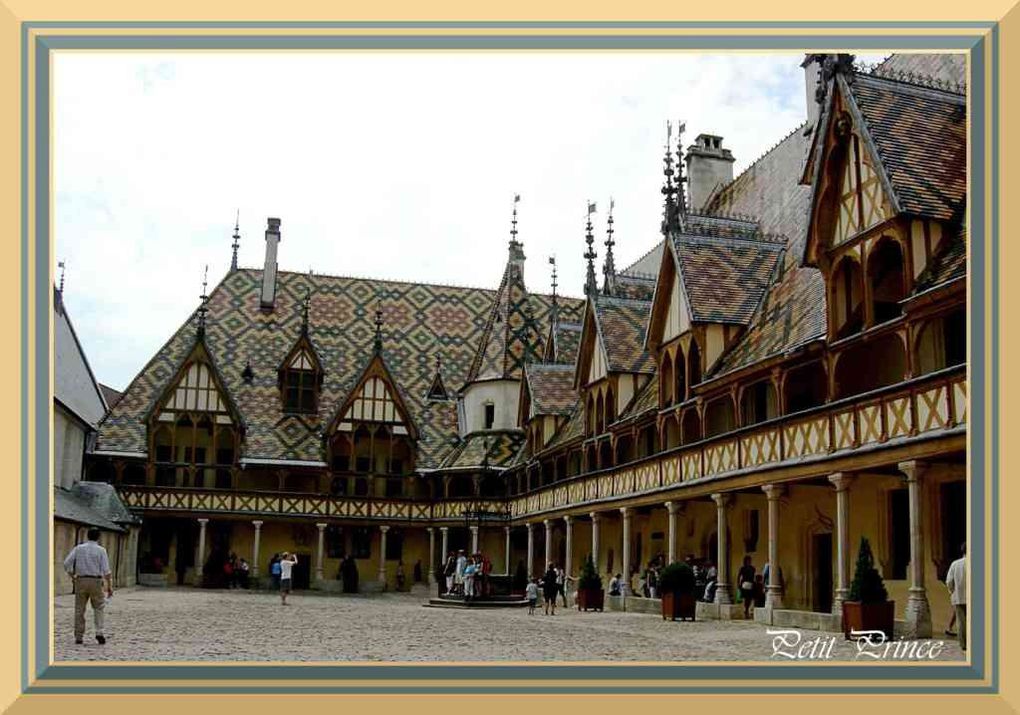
<point>591,599</point>
<point>678,605</point>
<point>859,616</point>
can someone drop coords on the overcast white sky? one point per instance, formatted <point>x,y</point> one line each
<point>388,165</point>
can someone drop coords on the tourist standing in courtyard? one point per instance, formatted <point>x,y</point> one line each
<point>531,593</point>
<point>449,569</point>
<point>745,577</point>
<point>549,589</point>
<point>89,566</point>
<point>286,567</point>
<point>458,575</point>
<point>956,580</point>
<point>274,571</point>
<point>561,584</point>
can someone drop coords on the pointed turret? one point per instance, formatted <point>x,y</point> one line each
<point>203,308</point>
<point>591,288</point>
<point>555,308</point>
<point>609,265</point>
<point>237,240</point>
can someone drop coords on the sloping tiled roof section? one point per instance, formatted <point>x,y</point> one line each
<point>622,324</point>
<point>944,67</point>
<point>93,504</point>
<point>792,311</point>
<point>552,388</point>
<point>506,339</point>
<point>418,321</point>
<point>571,431</point>
<point>949,264</point>
<point>635,287</point>
<point>725,278</point>
<point>566,339</point>
<point>648,264</point>
<point>470,454</point>
<point>921,138</point>
<point>109,394</point>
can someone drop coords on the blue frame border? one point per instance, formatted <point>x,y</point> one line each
<point>930,676</point>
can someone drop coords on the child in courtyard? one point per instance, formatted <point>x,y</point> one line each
<point>531,593</point>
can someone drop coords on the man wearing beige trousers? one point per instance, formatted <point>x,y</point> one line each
<point>89,566</point>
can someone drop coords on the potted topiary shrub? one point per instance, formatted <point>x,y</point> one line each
<point>676,584</point>
<point>869,607</point>
<point>590,595</point>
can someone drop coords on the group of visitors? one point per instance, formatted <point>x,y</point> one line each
<point>466,576</point>
<point>553,583</point>
<point>236,571</point>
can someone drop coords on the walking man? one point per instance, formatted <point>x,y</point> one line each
<point>89,567</point>
<point>956,580</point>
<point>286,566</point>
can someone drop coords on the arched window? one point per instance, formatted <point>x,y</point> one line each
<point>648,442</point>
<point>719,417</point>
<point>758,403</point>
<point>605,454</point>
<point>610,407</point>
<point>805,387</point>
<point>887,280</point>
<point>624,449</point>
<point>300,382</point>
<point>600,416</point>
<point>671,432</point>
<point>847,298</point>
<point>870,365</point>
<point>666,397</point>
<point>942,342</point>
<point>679,378</point>
<point>693,365</point>
<point>590,415</point>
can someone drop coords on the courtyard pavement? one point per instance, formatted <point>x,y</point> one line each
<point>182,624</point>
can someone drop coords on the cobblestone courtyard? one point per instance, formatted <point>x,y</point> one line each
<point>195,625</point>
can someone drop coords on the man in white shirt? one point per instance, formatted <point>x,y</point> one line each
<point>956,580</point>
<point>287,562</point>
<point>89,566</point>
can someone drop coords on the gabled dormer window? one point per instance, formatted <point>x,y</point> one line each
<point>301,378</point>
<point>300,385</point>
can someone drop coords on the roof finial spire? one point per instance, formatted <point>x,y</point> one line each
<point>555,310</point>
<point>516,247</point>
<point>609,266</point>
<point>237,240</point>
<point>681,199</point>
<point>203,308</point>
<point>377,344</point>
<point>591,288</point>
<point>62,265</point>
<point>669,213</point>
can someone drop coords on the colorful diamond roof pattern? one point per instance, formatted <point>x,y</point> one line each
<point>622,323</point>
<point>419,320</point>
<point>500,446</point>
<point>566,338</point>
<point>551,387</point>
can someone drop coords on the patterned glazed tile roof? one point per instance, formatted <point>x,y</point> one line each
<point>515,328</point>
<point>621,324</point>
<point>572,431</point>
<point>566,339</point>
<point>725,278</point>
<point>635,287</point>
<point>551,386</point>
<point>949,264</point>
<point>921,138</point>
<point>503,447</point>
<point>418,321</point>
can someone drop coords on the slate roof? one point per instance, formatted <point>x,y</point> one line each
<point>622,323</point>
<point>635,287</point>
<point>945,67</point>
<point>503,446</point>
<point>921,138</point>
<point>419,320</point>
<point>551,387</point>
<point>92,504</point>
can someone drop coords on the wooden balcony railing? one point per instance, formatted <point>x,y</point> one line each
<point>913,409</point>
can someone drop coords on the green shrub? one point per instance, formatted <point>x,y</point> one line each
<point>678,578</point>
<point>589,579</point>
<point>868,586</point>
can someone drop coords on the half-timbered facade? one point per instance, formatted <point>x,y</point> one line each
<point>783,373</point>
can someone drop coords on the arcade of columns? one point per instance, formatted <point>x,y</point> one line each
<point>918,615</point>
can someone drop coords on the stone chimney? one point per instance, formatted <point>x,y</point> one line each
<point>812,65</point>
<point>269,271</point>
<point>709,166</point>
